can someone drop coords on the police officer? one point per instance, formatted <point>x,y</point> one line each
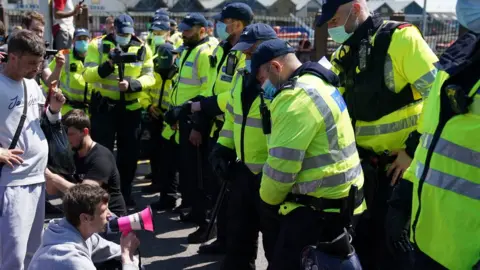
<point>115,107</point>
<point>386,70</point>
<point>312,159</point>
<point>194,78</point>
<point>231,22</point>
<point>445,170</point>
<point>163,153</point>
<point>175,35</point>
<point>74,88</point>
<point>210,29</point>
<point>245,140</point>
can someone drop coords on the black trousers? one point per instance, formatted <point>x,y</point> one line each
<point>300,228</point>
<point>243,219</point>
<point>374,249</point>
<point>194,183</point>
<point>155,145</point>
<point>168,160</point>
<point>124,126</point>
<point>423,261</point>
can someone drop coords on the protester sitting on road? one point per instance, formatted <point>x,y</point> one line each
<point>94,163</point>
<point>73,241</point>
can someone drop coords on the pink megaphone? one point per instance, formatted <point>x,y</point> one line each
<point>142,220</point>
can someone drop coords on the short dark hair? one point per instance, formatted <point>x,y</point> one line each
<point>76,118</point>
<point>109,18</point>
<point>82,199</point>
<point>29,16</point>
<point>26,41</point>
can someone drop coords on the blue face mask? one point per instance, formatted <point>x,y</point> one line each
<point>339,34</point>
<point>248,65</point>
<point>269,89</point>
<point>468,14</point>
<point>122,41</point>
<point>81,46</point>
<point>221,29</point>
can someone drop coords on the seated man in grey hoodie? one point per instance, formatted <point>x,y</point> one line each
<point>73,241</point>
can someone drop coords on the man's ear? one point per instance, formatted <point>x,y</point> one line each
<point>86,131</point>
<point>84,218</point>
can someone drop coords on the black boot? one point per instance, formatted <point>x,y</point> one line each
<point>199,236</point>
<point>164,204</point>
<point>215,248</point>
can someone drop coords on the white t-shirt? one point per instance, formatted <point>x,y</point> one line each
<point>66,24</point>
<point>32,139</point>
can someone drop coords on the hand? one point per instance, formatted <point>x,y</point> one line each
<point>57,99</point>
<point>123,85</point>
<point>49,185</point>
<point>398,167</point>
<point>60,59</point>
<point>78,9</point>
<point>3,55</point>
<point>10,157</point>
<point>195,107</point>
<point>154,111</point>
<point>128,245</point>
<point>195,138</point>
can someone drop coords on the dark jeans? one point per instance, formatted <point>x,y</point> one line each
<point>124,125</point>
<point>165,174</point>
<point>243,220</point>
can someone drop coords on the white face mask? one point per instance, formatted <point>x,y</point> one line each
<point>468,14</point>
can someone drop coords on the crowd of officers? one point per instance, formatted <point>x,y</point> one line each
<point>339,138</point>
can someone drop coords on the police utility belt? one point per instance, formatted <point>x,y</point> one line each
<point>103,103</point>
<point>320,204</point>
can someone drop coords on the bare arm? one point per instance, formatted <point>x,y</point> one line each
<point>59,14</point>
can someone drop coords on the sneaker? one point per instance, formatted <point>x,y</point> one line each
<point>200,235</point>
<point>215,248</point>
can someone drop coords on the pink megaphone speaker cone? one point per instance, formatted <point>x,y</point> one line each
<point>142,220</point>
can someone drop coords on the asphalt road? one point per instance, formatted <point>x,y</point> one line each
<point>167,247</point>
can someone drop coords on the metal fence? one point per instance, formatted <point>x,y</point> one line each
<point>298,31</point>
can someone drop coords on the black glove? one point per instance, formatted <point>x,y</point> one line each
<point>221,158</point>
<point>174,114</point>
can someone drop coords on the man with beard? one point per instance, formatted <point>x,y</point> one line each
<point>95,164</point>
<point>195,77</point>
<point>23,150</point>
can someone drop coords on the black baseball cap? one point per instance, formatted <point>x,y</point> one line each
<point>269,50</point>
<point>124,24</point>
<point>191,20</point>
<point>329,8</point>
<point>253,33</point>
<point>160,25</point>
<point>236,10</point>
<point>164,55</point>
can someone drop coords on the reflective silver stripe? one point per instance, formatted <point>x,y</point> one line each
<point>90,64</point>
<point>328,181</point>
<point>255,168</point>
<point>424,83</point>
<point>195,80</point>
<point>449,182</point>
<point>387,128</point>
<point>165,94</point>
<point>67,70</point>
<point>147,71</point>
<point>226,133</point>
<point>70,90</point>
<point>330,126</point>
<point>189,81</point>
<point>287,153</point>
<point>237,75</point>
<point>165,104</point>
<point>230,109</point>
<point>329,158</point>
<point>100,50</point>
<point>110,87</point>
<point>279,176</point>
<point>114,77</point>
<point>251,122</point>
<point>453,151</point>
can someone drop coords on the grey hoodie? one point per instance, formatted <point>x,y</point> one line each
<point>64,248</point>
